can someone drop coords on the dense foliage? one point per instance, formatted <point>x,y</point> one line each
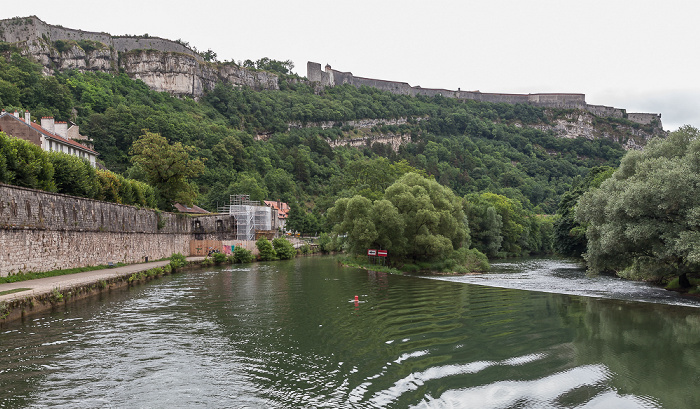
<point>25,164</point>
<point>501,227</point>
<point>644,221</point>
<point>416,220</point>
<point>570,235</point>
<point>271,145</point>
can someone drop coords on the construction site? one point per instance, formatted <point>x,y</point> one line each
<point>253,219</point>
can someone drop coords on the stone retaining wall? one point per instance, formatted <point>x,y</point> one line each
<point>41,231</point>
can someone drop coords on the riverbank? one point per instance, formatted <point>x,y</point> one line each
<point>24,298</point>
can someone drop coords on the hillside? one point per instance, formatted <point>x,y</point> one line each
<point>300,142</point>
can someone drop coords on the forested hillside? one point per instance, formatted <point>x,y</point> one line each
<point>471,147</point>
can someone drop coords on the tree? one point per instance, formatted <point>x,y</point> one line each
<point>265,249</point>
<point>284,249</point>
<point>644,221</point>
<point>168,168</point>
<point>209,55</point>
<point>417,220</point>
<point>570,236</point>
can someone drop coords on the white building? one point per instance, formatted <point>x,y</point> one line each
<point>51,136</point>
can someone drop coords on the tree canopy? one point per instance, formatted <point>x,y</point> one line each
<point>418,219</point>
<point>644,221</point>
<point>168,168</point>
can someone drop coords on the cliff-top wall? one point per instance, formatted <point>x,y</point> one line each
<point>331,77</point>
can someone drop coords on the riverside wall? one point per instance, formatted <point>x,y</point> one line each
<point>42,231</point>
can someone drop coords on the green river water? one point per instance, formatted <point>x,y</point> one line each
<point>290,335</point>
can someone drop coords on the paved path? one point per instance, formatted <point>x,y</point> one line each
<point>46,285</point>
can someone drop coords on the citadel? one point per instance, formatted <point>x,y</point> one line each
<point>173,67</point>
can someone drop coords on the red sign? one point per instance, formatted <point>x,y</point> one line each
<point>382,253</point>
<point>371,252</point>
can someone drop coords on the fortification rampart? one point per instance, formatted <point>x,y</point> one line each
<point>331,77</point>
<point>42,231</point>
<point>27,29</point>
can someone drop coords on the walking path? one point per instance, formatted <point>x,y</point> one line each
<point>42,286</point>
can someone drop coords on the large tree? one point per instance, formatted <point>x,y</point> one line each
<point>168,168</point>
<point>418,219</point>
<point>644,221</point>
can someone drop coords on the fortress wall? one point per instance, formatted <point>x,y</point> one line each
<point>42,231</point>
<point>31,28</point>
<point>124,44</point>
<point>61,33</point>
<point>313,72</point>
<point>497,98</point>
<point>15,30</point>
<point>644,118</point>
<point>559,100</point>
<point>603,111</point>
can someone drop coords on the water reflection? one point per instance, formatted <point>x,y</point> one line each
<point>290,335</point>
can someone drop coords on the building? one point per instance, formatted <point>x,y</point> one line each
<point>194,209</point>
<point>50,136</point>
<point>282,209</point>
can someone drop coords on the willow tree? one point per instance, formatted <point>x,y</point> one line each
<point>168,168</point>
<point>418,219</point>
<point>644,221</point>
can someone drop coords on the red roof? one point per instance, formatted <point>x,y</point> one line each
<point>281,207</point>
<point>46,133</point>
<point>59,138</point>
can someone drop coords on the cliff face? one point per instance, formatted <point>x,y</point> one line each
<point>583,124</point>
<point>162,64</point>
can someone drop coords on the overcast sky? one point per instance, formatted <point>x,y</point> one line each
<point>639,55</point>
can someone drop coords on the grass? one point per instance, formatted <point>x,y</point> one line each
<point>675,285</point>
<point>30,275</point>
<point>16,290</point>
<point>359,263</point>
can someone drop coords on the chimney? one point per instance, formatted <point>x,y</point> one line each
<point>27,117</point>
<point>61,129</point>
<point>3,112</point>
<point>16,114</point>
<point>47,123</point>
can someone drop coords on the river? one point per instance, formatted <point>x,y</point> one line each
<point>290,334</point>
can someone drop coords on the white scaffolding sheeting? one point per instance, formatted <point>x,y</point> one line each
<point>249,215</point>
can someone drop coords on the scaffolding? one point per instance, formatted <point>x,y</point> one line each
<point>250,216</point>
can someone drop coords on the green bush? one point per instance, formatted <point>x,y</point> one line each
<point>219,258</point>
<point>241,255</point>
<point>265,249</point>
<point>177,260</point>
<point>25,164</point>
<point>74,176</point>
<point>284,249</point>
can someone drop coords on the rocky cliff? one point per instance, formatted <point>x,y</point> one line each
<point>162,64</point>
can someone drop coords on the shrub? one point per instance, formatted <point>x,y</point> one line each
<point>241,255</point>
<point>219,258</point>
<point>178,260</point>
<point>74,176</point>
<point>267,252</point>
<point>284,249</point>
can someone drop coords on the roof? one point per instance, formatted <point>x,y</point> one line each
<point>50,135</point>
<point>281,207</point>
<point>189,209</point>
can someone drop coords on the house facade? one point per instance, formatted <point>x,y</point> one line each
<point>50,135</point>
<point>282,213</point>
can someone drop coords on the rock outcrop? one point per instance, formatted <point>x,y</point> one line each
<point>162,64</point>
